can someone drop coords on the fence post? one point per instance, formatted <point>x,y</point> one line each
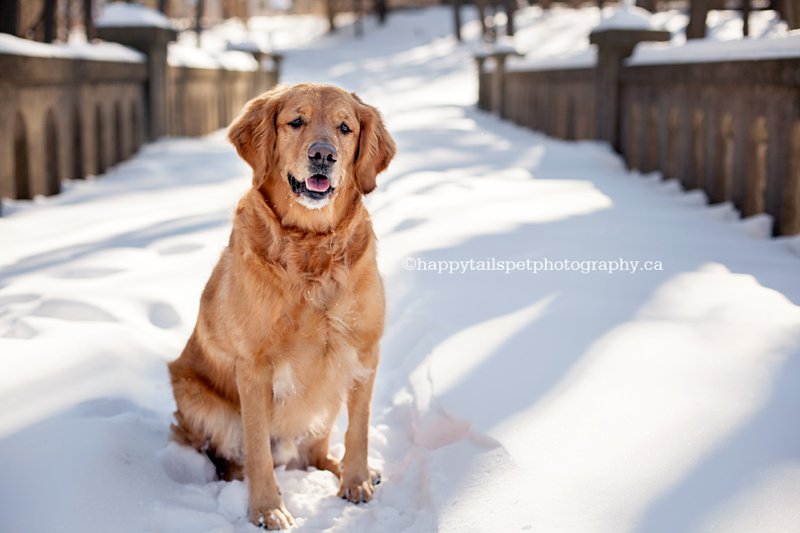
<point>613,46</point>
<point>789,222</point>
<point>498,103</point>
<point>152,41</point>
<point>480,60</point>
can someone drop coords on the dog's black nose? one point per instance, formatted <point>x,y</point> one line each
<point>322,154</point>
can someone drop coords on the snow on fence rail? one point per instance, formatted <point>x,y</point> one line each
<point>729,127</point>
<point>66,116</point>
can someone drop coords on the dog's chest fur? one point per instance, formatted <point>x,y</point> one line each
<point>317,361</point>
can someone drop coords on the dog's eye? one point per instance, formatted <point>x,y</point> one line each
<point>344,128</point>
<point>296,123</point>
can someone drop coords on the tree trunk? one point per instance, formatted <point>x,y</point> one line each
<point>511,8</point>
<point>164,6</point>
<point>698,10</point>
<point>381,10</point>
<point>9,17</point>
<point>68,19</point>
<point>49,21</point>
<point>198,19</point>
<point>88,20</point>
<point>649,5</point>
<point>457,18</point>
<point>481,6</point>
<point>330,13</point>
<point>359,24</point>
<point>746,8</point>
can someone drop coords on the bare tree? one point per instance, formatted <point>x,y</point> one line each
<point>359,23</point>
<point>510,7</point>
<point>330,12</point>
<point>649,5</point>
<point>49,19</point>
<point>9,17</point>
<point>381,9</point>
<point>457,18</point>
<point>746,8</point>
<point>198,19</point>
<point>88,19</point>
<point>698,11</point>
<point>481,6</point>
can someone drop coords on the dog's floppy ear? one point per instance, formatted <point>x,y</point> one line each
<point>376,148</point>
<point>253,133</point>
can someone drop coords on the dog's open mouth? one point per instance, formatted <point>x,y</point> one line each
<point>316,187</point>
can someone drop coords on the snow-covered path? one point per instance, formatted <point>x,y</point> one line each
<point>661,400</point>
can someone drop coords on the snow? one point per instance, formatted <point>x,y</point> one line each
<point>655,400</point>
<point>132,16</point>
<point>503,45</point>
<point>586,58</point>
<point>99,51</point>
<point>626,18</point>
<point>559,37</point>
<point>248,45</point>
<point>181,55</point>
<point>229,45</point>
<point>702,50</point>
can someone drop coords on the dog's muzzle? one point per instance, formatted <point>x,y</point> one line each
<point>316,187</point>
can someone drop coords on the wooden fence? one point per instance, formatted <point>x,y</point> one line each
<point>63,118</point>
<point>200,101</point>
<point>729,128</point>
<point>68,118</point>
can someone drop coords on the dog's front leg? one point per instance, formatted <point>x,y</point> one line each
<point>357,481</point>
<point>254,383</point>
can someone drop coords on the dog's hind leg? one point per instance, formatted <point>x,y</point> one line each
<point>209,424</point>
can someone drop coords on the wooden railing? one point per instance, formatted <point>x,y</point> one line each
<point>729,128</point>
<point>64,118</point>
<point>200,101</point>
<point>559,103</point>
<point>67,118</point>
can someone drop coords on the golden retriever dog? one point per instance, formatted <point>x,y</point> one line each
<point>290,320</point>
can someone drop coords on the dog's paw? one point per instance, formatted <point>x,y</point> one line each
<point>356,490</point>
<point>272,519</point>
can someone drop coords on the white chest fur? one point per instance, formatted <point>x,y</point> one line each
<point>284,384</point>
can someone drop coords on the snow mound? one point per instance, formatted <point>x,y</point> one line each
<point>121,14</point>
<point>626,18</point>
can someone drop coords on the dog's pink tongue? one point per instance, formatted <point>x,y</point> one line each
<point>318,184</point>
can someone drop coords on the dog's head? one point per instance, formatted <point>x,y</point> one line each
<point>311,146</point>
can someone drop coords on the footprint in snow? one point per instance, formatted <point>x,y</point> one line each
<point>88,273</point>
<point>408,224</point>
<point>105,407</point>
<point>20,330</point>
<point>162,315</point>
<point>184,248</point>
<point>17,298</point>
<point>73,311</point>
